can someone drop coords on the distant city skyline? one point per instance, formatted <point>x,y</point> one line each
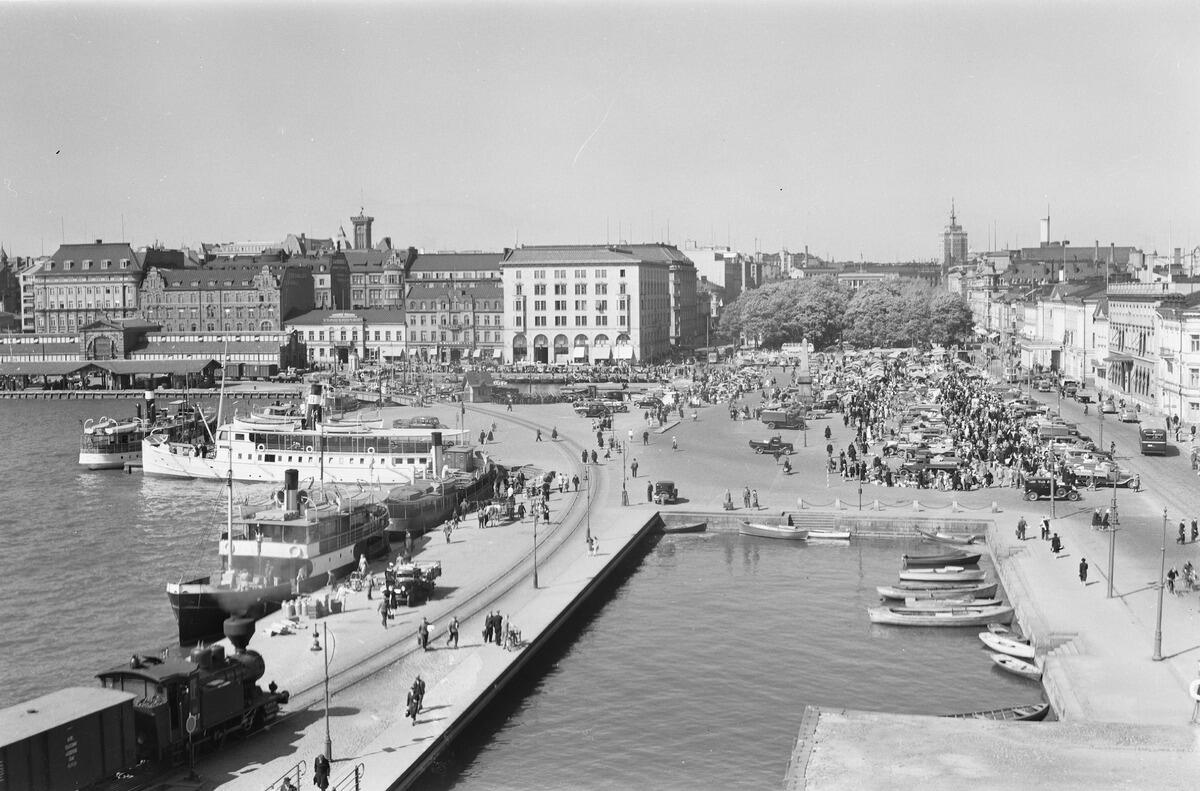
<point>848,127</point>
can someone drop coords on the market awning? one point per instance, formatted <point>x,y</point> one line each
<point>497,353</point>
<point>475,352</point>
<point>166,367</point>
<point>623,352</point>
<point>581,353</point>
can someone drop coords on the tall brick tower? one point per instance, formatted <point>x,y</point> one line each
<point>362,230</point>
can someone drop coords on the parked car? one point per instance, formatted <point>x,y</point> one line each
<point>1108,407</point>
<point>1043,386</point>
<point>774,445</point>
<point>592,409</point>
<point>1037,488</point>
<point>665,492</point>
<point>648,402</point>
<point>1082,397</point>
<point>1129,415</point>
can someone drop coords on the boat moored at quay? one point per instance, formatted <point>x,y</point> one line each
<point>109,443</point>
<point>260,449</point>
<point>285,549</point>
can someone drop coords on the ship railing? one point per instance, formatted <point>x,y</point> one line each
<point>351,780</point>
<point>293,775</point>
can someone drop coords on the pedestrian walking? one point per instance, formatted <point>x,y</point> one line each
<point>649,491</point>
<point>321,771</point>
<point>1171,575</point>
<point>539,436</point>
<point>633,467</point>
<point>674,444</point>
<point>554,434</point>
<point>594,457</point>
<point>370,585</point>
<point>1182,532</point>
<point>491,436</point>
<point>754,498</point>
<point>575,482</point>
<point>583,456</point>
<point>452,632</point>
<point>1195,531</point>
<point>1137,482</point>
<point>423,634</point>
<point>1083,569</point>
<point>482,437</point>
<point>1055,544</point>
<point>1045,528</point>
<point>1021,529</point>
<point>383,612</point>
<point>745,497</point>
<point>728,500</point>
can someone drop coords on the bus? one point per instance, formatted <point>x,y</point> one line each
<point>1153,441</point>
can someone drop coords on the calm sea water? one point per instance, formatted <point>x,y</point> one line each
<point>696,671</point>
<point>693,673</point>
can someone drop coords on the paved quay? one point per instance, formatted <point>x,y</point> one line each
<point>371,669</point>
<point>1096,651</point>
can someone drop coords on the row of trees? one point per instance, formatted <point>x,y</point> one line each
<point>888,313</point>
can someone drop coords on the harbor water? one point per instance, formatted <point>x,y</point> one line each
<point>692,673</point>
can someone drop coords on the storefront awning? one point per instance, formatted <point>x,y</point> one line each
<point>581,353</point>
<point>623,352</point>
<point>497,353</point>
<point>475,353</point>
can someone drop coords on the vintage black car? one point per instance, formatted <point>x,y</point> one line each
<point>1037,488</point>
<point>775,445</point>
<point>665,492</point>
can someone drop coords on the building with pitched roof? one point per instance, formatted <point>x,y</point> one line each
<point>227,297</point>
<point>84,282</point>
<point>453,322</point>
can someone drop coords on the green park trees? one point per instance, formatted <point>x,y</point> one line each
<point>888,313</point>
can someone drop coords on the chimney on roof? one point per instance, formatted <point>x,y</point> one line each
<point>99,241</point>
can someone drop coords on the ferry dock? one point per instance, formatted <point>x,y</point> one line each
<point>1119,711</point>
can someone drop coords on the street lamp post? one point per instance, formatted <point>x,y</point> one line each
<point>624,491</point>
<point>535,576</point>
<point>1113,522</point>
<point>587,480</point>
<point>1162,571</point>
<point>328,741</point>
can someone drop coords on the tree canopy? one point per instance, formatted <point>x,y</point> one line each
<point>888,313</point>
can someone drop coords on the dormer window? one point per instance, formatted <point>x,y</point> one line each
<point>105,264</point>
<point>87,263</point>
<point>124,263</point>
<point>68,264</point>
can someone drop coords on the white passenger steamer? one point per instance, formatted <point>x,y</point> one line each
<point>261,447</point>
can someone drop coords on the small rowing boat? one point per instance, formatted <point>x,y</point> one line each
<point>773,531</point>
<point>1033,712</point>
<point>1004,645</point>
<point>1005,631</point>
<point>943,574</point>
<point>921,590</point>
<point>829,535</point>
<point>1018,666</point>
<point>693,527</point>
<point>959,616</point>
<point>944,559</point>
<point>913,603</point>
<point>946,538</point>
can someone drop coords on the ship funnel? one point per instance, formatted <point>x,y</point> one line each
<point>436,452</point>
<point>291,493</point>
<point>148,395</point>
<point>312,407</point>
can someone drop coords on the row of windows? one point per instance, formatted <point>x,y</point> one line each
<point>466,319</point>
<point>561,305</point>
<point>385,336</point>
<point>480,305</point>
<point>87,264</point>
<point>560,289</point>
<point>561,274</point>
<point>580,321</point>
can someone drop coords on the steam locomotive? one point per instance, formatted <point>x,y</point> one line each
<point>143,717</point>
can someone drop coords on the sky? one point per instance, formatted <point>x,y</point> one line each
<point>848,127</point>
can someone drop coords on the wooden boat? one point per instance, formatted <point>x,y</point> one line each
<point>943,574</point>
<point>919,590</point>
<point>960,616</point>
<point>829,535</point>
<point>946,538</point>
<point>1018,666</point>
<point>694,527</point>
<point>1032,712</point>
<point>1005,631</point>
<point>773,531</point>
<point>911,603</point>
<point>944,559</point>
<point>1004,645</point>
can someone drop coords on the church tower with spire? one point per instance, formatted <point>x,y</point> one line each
<point>362,230</point>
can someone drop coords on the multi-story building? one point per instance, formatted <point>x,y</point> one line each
<point>226,298</point>
<point>10,285</point>
<point>84,282</point>
<point>1178,340</point>
<point>587,303</point>
<point>455,268</point>
<point>26,277</point>
<point>349,338</point>
<point>455,322</point>
<point>954,243</point>
<point>685,330</point>
<point>1133,345</point>
<point>722,266</point>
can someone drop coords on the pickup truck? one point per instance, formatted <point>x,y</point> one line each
<point>774,445</point>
